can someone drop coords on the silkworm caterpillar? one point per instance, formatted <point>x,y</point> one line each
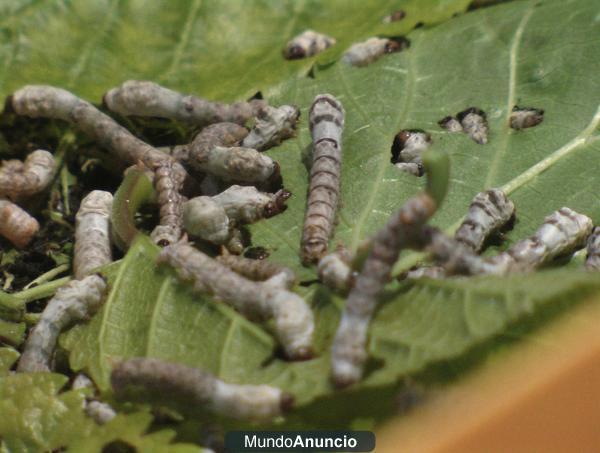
<point>294,322</point>
<point>76,301</point>
<point>371,50</point>
<point>451,124</point>
<point>257,270</point>
<point>211,152</point>
<point>349,345</point>
<point>273,125</point>
<point>16,224</point>
<point>92,235</point>
<point>307,44</point>
<point>394,17</point>
<point>240,164</point>
<point>168,185</point>
<point>211,218</point>
<point>326,119</point>
<point>335,270</point>
<point>407,150</point>
<point>489,211</point>
<point>42,101</point>
<point>474,123</point>
<point>173,383</point>
<point>524,117</point>
<point>20,180</point>
<point>592,261</point>
<point>562,232</point>
<point>144,98</point>
<point>220,134</point>
<point>98,411</point>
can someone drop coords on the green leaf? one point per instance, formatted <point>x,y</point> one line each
<point>8,357</point>
<point>221,50</point>
<point>148,313</point>
<point>36,417</point>
<point>12,332</point>
<point>526,53</point>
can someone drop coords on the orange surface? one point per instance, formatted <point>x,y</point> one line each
<point>541,396</point>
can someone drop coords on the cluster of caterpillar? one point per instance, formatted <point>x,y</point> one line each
<point>310,43</point>
<point>241,185</point>
<point>249,188</point>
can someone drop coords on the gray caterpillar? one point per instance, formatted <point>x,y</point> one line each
<point>326,119</point>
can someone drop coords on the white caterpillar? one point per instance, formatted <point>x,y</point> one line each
<point>92,235</point>
<point>307,44</point>
<point>489,211</point>
<point>326,118</point>
<point>76,301</point>
<point>592,261</point>
<point>212,218</point>
<point>211,152</point>
<point>144,98</point>
<point>524,117</point>
<point>349,345</point>
<point>173,383</point>
<point>98,411</point>
<point>407,150</point>
<point>273,125</point>
<point>562,232</point>
<point>371,50</point>
<point>335,270</point>
<point>19,181</point>
<point>294,323</point>
<point>474,124</point>
<point>16,224</point>
<point>42,101</point>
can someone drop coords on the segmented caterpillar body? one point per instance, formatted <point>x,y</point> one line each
<point>98,411</point>
<point>173,383</point>
<point>16,224</point>
<point>257,269</point>
<point>42,101</point>
<point>144,98</point>
<point>307,44</point>
<point>524,117</point>
<point>489,211</point>
<point>371,50</point>
<point>168,185</point>
<point>407,150</point>
<point>76,301</point>
<point>293,318</point>
<point>219,134</point>
<point>562,232</point>
<point>326,119</point>
<point>335,270</point>
<point>349,346</point>
<point>92,235</point>
<point>211,218</point>
<point>273,125</point>
<point>592,261</point>
<point>19,181</point>
<point>474,124</point>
